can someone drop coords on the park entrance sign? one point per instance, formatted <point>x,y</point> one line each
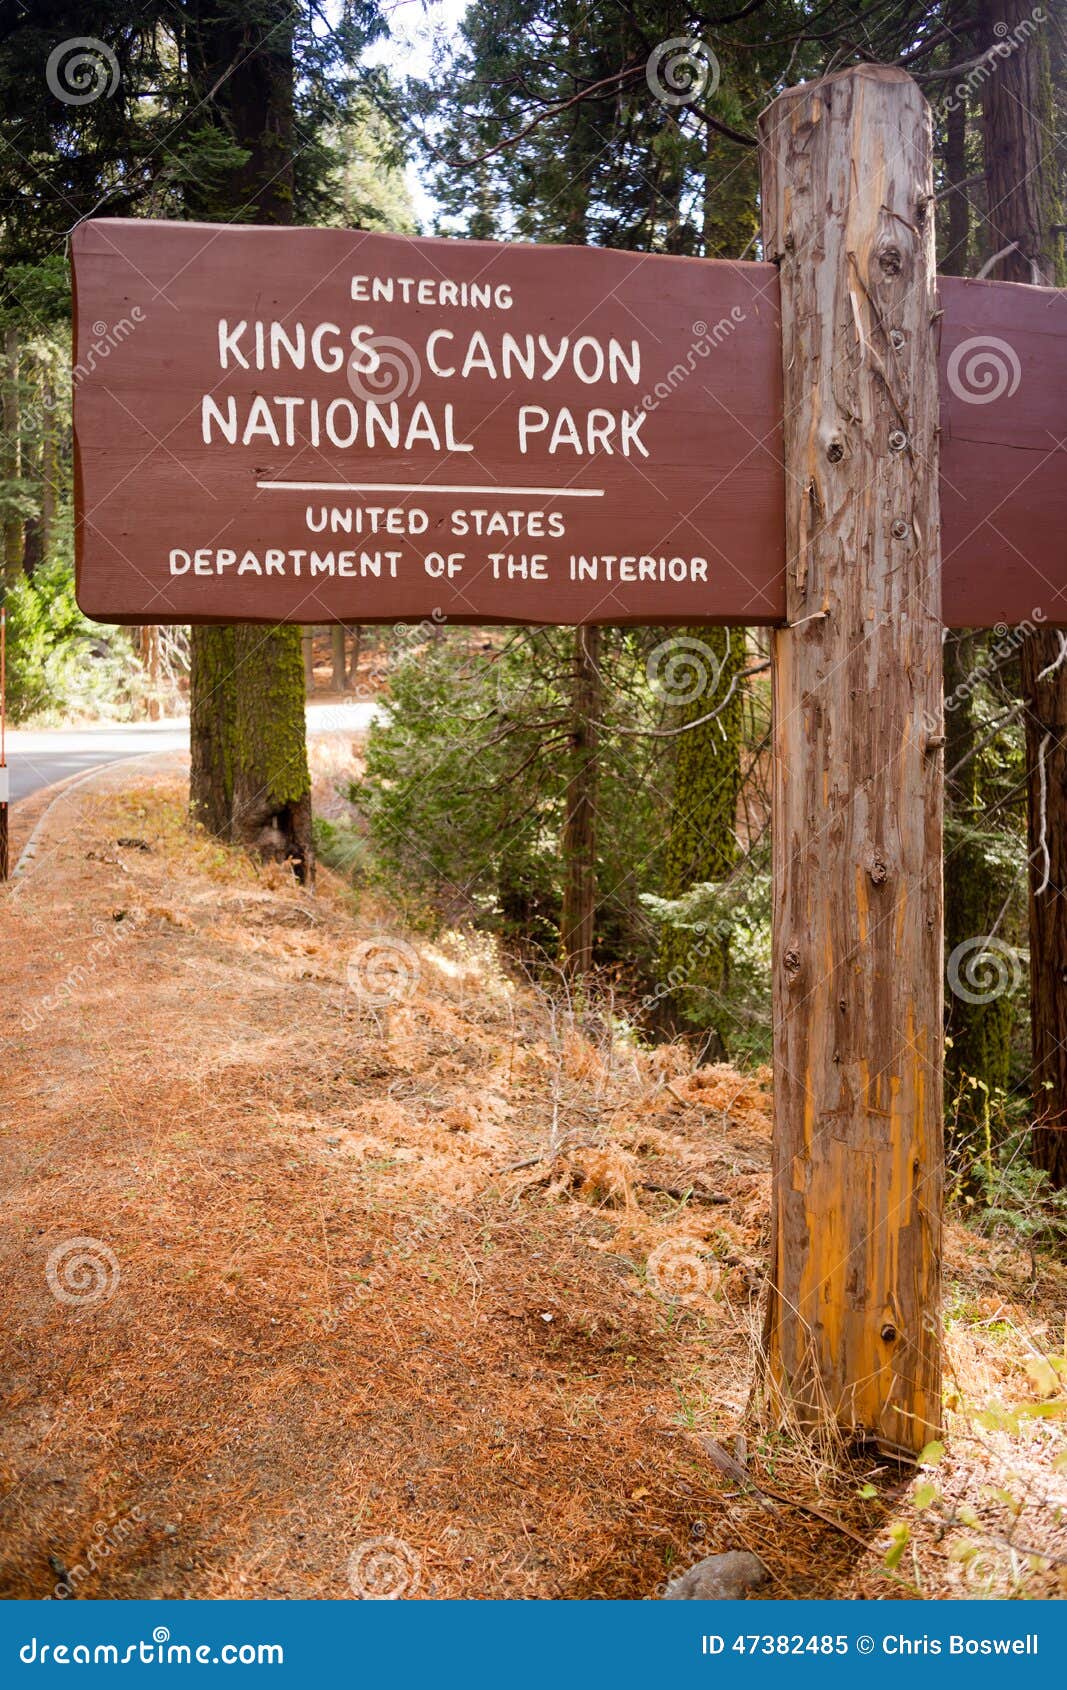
<point>316,425</point>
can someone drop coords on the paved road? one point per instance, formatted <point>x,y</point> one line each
<point>38,757</point>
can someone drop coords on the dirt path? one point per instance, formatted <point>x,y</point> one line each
<point>321,1326</point>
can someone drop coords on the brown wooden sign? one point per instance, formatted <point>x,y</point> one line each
<point>319,424</point>
<point>316,425</point>
<point>1003,453</point>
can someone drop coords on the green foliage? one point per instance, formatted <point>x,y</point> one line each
<point>342,847</point>
<point>365,175</point>
<point>1017,1200</point>
<point>736,999</point>
<point>60,664</point>
<point>39,290</point>
<point>457,794</point>
<point>466,778</point>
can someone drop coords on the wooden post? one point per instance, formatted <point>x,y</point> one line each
<point>853,1331</point>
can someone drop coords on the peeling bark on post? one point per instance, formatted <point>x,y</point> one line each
<point>853,1323</point>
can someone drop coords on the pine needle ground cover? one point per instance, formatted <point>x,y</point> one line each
<point>380,1245</point>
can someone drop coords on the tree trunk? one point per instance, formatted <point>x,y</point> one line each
<point>150,655</point>
<point>212,711</point>
<point>1046,752</point>
<point>853,1327</point>
<point>271,790</point>
<point>702,842</point>
<point>978,1032</point>
<point>337,650</point>
<point>578,847</point>
<point>1020,160</point>
<point>255,751</point>
<point>11,448</point>
<point>49,465</point>
<point>1023,213</point>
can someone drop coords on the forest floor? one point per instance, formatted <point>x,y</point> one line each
<point>339,1262</point>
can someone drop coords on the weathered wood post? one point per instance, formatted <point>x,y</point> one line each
<point>853,1325</point>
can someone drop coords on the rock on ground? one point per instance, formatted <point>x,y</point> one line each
<point>718,1578</point>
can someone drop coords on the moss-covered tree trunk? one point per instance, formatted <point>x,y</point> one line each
<point>250,779</point>
<point>1025,216</point>
<point>271,791</point>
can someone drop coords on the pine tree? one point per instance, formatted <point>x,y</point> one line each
<point>249,777</point>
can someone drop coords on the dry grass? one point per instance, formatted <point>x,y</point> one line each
<point>455,1268</point>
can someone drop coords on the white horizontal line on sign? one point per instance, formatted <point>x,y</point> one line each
<point>423,487</point>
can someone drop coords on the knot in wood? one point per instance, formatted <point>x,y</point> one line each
<point>900,529</point>
<point>897,440</point>
<point>835,451</point>
<point>889,1332</point>
<point>792,962</point>
<point>897,338</point>
<point>890,260</point>
<point>878,872</point>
